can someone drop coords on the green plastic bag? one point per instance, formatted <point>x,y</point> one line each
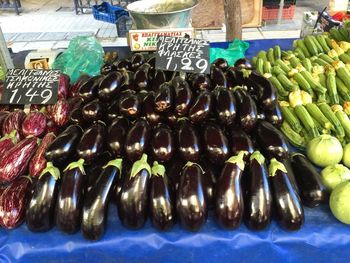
<point>83,56</point>
<point>235,51</point>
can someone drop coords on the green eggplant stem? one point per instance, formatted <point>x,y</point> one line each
<point>258,157</point>
<point>275,166</point>
<point>54,171</point>
<point>140,165</point>
<point>238,159</point>
<point>78,164</point>
<point>158,169</point>
<point>118,163</point>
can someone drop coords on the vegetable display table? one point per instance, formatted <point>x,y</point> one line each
<point>322,236</point>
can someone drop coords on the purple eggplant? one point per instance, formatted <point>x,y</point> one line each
<point>229,205</point>
<point>162,144</point>
<point>109,87</point>
<point>274,116</point>
<point>70,198</point>
<point>209,182</point>
<point>59,112</point>
<point>7,142</point>
<point>129,106</point>
<point>232,78</point>
<point>188,141</point>
<point>14,121</point>
<point>73,91</point>
<point>117,134</point>
<point>164,97</point>
<point>137,140</point>
<point>201,82</point>
<point>92,143</point>
<point>153,117</point>
<point>243,63</point>
<point>201,108</point>
<point>122,65</point>
<point>95,169</point>
<point>272,142</point>
<point>173,169</point>
<point>133,198</point>
<point>225,106</point>
<point>41,208</point>
<point>13,201</point>
<point>183,98</point>
<point>112,111</point>
<point>96,201</point>
<point>129,79</point>
<point>3,115</point>
<point>191,205</point>
<point>137,60</point>
<point>34,124</point>
<point>93,111</point>
<point>312,191</point>
<point>141,77</point>
<point>240,141</point>
<point>63,148</point>
<point>89,90</point>
<point>218,78</point>
<point>258,202</point>
<point>268,96</point>
<point>76,117</point>
<point>162,209</point>
<point>159,79</point>
<point>15,161</point>
<point>221,63</point>
<point>247,110</point>
<point>63,86</point>
<point>287,204</point>
<point>216,144</point>
<point>38,162</point>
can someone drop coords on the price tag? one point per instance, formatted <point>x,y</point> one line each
<point>30,86</point>
<point>182,54</point>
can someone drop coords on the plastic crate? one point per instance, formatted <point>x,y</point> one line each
<point>108,13</point>
<point>271,13</point>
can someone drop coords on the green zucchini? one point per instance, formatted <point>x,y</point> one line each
<point>277,52</point>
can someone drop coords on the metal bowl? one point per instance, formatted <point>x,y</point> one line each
<point>178,17</point>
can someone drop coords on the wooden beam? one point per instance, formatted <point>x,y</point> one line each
<point>233,19</point>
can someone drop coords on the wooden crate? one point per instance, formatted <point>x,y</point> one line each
<point>210,14</point>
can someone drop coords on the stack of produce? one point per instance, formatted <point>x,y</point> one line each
<point>313,86</point>
<point>161,144</point>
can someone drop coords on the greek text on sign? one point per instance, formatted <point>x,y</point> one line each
<point>182,54</point>
<point>146,40</point>
<point>30,86</point>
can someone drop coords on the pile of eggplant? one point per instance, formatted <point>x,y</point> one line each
<point>165,145</point>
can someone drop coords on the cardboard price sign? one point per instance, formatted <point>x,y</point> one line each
<point>30,86</point>
<point>183,54</point>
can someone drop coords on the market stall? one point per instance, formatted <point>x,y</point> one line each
<point>322,236</point>
<point>195,151</point>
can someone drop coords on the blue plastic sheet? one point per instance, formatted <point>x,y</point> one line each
<point>322,239</point>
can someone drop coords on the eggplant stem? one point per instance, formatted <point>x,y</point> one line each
<point>140,165</point>
<point>189,164</point>
<point>238,159</point>
<point>11,135</point>
<point>158,169</point>
<point>258,157</point>
<point>28,177</point>
<point>275,166</point>
<point>54,171</point>
<point>118,163</point>
<point>78,164</point>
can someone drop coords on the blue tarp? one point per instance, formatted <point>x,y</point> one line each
<point>322,239</point>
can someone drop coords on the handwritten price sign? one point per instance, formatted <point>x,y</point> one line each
<point>182,54</point>
<point>30,86</point>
